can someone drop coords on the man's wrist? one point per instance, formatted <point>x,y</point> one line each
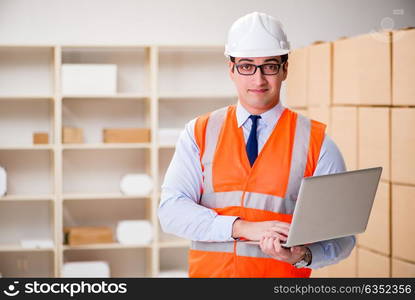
<point>236,228</point>
<point>305,260</point>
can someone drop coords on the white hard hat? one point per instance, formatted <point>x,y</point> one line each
<point>256,35</point>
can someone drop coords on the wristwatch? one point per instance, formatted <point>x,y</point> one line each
<point>305,260</point>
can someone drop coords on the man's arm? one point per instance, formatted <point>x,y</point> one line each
<point>331,251</point>
<point>179,212</point>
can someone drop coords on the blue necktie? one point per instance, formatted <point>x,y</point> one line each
<point>252,144</point>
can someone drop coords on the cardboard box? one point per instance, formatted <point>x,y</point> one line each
<point>71,135</point>
<point>403,222</point>
<point>297,78</point>
<point>403,145</point>
<point>402,269</point>
<point>362,69</point>
<point>321,114</point>
<point>371,264</point>
<point>301,111</point>
<point>374,141</point>
<point>127,135</point>
<point>344,133</point>
<point>377,234</point>
<point>403,67</point>
<point>89,79</point>
<point>345,268</point>
<point>40,138</point>
<point>319,74</point>
<point>320,273</point>
<point>75,236</point>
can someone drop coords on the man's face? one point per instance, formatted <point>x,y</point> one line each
<point>258,92</point>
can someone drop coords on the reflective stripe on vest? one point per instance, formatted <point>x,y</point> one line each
<point>241,248</point>
<point>250,200</point>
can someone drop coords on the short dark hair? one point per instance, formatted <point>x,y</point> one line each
<point>284,58</point>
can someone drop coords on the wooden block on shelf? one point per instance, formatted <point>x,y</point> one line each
<point>40,138</point>
<point>402,268</point>
<point>403,222</point>
<point>371,264</point>
<point>75,236</point>
<point>377,234</point>
<point>127,135</point>
<point>72,135</point>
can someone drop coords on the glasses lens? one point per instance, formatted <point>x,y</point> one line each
<point>246,69</point>
<point>270,69</point>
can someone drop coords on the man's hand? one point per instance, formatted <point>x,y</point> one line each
<point>270,244</point>
<point>253,231</point>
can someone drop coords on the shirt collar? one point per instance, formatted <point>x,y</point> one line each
<point>269,118</point>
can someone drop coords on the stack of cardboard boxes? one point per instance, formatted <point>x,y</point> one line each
<point>362,88</point>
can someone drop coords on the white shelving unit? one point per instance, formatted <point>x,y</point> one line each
<point>56,185</point>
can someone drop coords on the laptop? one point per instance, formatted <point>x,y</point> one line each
<point>333,206</point>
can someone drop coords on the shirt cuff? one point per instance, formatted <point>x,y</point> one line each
<point>224,225</point>
<point>317,255</point>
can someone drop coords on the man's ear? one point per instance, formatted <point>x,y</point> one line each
<point>231,66</point>
<point>285,71</point>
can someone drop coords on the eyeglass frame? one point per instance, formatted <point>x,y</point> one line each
<point>260,67</point>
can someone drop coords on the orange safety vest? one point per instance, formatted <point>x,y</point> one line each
<point>266,191</point>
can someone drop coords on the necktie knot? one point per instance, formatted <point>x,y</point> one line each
<point>254,118</point>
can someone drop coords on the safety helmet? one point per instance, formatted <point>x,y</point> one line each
<point>256,35</point>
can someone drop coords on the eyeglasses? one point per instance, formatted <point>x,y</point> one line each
<point>266,69</point>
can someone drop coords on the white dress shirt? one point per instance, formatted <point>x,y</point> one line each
<point>181,214</point>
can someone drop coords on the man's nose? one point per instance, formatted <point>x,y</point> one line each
<point>258,77</point>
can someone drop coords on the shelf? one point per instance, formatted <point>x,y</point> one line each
<point>26,97</point>
<point>18,248</point>
<point>101,196</point>
<point>27,147</point>
<point>175,244</point>
<point>27,198</point>
<point>106,247</point>
<point>153,91</point>
<point>201,96</point>
<point>106,146</point>
<point>166,146</point>
<point>121,96</point>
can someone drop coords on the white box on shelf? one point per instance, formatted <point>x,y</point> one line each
<point>99,269</point>
<point>88,79</point>
<point>136,185</point>
<point>130,232</point>
<point>3,182</point>
<point>173,273</point>
<point>36,244</point>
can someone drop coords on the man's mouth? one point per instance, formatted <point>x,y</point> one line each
<point>258,91</point>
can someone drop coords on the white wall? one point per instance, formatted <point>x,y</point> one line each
<point>189,21</point>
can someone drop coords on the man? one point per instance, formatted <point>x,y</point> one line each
<point>236,172</point>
